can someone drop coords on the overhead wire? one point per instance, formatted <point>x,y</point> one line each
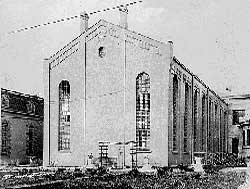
<point>94,97</point>
<point>68,18</point>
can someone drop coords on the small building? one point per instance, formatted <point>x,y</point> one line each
<point>239,133</point>
<point>21,131</point>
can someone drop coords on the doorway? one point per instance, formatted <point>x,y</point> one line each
<point>235,144</point>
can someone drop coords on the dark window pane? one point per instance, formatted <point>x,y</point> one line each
<point>195,120</point>
<point>203,126</point>
<point>186,116</point>
<point>175,109</point>
<point>243,135</point>
<point>248,137</point>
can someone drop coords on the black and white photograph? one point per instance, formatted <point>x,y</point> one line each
<point>113,94</point>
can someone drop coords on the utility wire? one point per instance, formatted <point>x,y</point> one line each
<point>95,97</point>
<point>68,18</point>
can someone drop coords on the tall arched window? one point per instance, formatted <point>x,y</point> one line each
<point>143,111</point>
<point>196,143</point>
<point>225,131</point>
<point>203,126</point>
<point>216,129</point>
<point>175,111</point>
<point>30,140</point>
<point>6,138</point>
<point>186,117</point>
<point>221,132</point>
<point>64,116</point>
<point>210,130</point>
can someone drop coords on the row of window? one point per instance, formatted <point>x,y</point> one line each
<point>216,122</point>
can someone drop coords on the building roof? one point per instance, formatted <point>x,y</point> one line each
<point>238,97</point>
<point>20,94</point>
<point>21,103</point>
<point>93,26</point>
<point>196,77</point>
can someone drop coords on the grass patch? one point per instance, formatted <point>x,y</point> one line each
<point>133,180</point>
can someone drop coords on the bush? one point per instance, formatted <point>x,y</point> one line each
<point>134,173</point>
<point>211,169</point>
<point>225,160</point>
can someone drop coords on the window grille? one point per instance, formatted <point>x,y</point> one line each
<point>210,127</point>
<point>186,116</point>
<point>64,116</point>
<point>203,126</point>
<point>221,132</point>
<point>143,111</point>
<point>215,130</point>
<point>195,120</point>
<point>175,111</point>
<point>225,131</point>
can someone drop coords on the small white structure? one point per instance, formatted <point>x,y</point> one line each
<point>147,168</point>
<point>90,164</point>
<point>198,165</point>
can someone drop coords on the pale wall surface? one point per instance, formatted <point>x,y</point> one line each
<point>107,112</point>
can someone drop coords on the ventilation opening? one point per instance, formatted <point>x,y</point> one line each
<point>101,52</point>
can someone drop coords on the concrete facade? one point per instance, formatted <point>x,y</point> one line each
<point>21,127</point>
<point>101,66</point>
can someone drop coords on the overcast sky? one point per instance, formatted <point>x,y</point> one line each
<point>211,37</point>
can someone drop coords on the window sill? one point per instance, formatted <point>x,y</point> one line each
<point>175,152</point>
<point>143,151</point>
<point>64,151</point>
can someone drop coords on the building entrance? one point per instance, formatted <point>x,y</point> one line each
<point>235,144</point>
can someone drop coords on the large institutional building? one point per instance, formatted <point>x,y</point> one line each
<point>118,94</point>
<point>21,128</point>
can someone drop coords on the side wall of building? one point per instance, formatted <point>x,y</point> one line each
<point>217,124</point>
<point>19,128</point>
<point>184,116</point>
<point>207,123</point>
<point>101,67</point>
